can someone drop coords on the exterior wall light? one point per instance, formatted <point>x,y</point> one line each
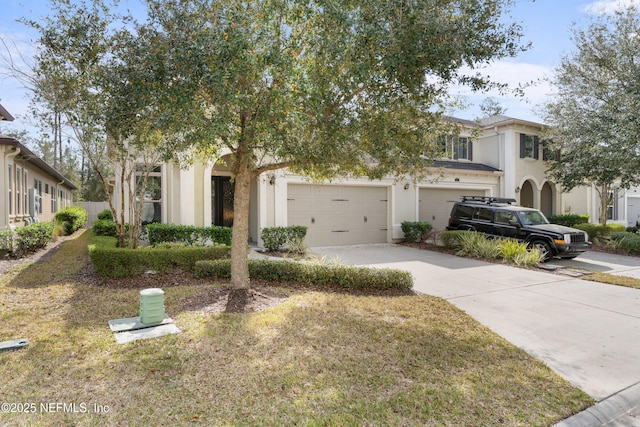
<point>406,186</point>
<point>517,189</point>
<point>272,180</point>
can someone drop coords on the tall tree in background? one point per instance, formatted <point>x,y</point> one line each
<point>491,107</point>
<point>325,87</point>
<point>79,74</point>
<point>594,121</point>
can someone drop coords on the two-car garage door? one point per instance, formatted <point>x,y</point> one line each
<point>435,204</point>
<point>339,214</point>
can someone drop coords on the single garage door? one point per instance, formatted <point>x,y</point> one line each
<point>436,203</point>
<point>339,214</point>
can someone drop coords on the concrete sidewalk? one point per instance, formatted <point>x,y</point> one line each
<point>587,332</point>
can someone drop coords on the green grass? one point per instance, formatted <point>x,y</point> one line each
<point>317,359</point>
<point>613,279</point>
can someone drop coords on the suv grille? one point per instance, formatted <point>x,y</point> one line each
<point>577,238</point>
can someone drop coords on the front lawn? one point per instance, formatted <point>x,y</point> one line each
<point>318,358</point>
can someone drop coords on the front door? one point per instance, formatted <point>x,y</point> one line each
<point>222,190</point>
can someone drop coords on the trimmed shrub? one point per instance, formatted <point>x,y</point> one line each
<point>569,220</point>
<point>330,275</point>
<point>413,231</point>
<point>6,242</point>
<point>103,227</point>
<point>110,261</point>
<point>72,218</point>
<point>105,215</point>
<point>33,237</point>
<point>452,239</point>
<point>629,242</point>
<point>171,233</point>
<point>276,237</point>
<point>597,231</point>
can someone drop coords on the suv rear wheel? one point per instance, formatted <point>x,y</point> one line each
<point>544,249</point>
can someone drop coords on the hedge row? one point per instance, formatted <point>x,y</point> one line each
<point>25,240</point>
<point>276,237</point>
<point>347,277</point>
<point>597,231</point>
<point>72,218</point>
<point>104,227</point>
<point>110,261</point>
<point>569,220</point>
<point>188,234</point>
<point>106,215</point>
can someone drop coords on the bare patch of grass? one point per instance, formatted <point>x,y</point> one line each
<point>316,358</point>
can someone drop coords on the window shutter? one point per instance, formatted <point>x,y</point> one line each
<point>536,148</point>
<point>522,145</point>
<point>470,151</point>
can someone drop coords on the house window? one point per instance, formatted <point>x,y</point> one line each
<point>18,190</point>
<point>10,190</point>
<point>54,202</point>
<point>529,147</point>
<point>39,196</point>
<point>612,205</point>
<point>25,191</point>
<point>46,189</point>
<point>456,148</point>
<point>151,194</point>
<point>548,153</point>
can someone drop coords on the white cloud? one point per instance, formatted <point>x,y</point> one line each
<point>607,7</point>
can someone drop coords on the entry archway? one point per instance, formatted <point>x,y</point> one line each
<point>526,194</point>
<point>546,199</point>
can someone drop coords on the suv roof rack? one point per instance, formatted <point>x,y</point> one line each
<point>487,200</point>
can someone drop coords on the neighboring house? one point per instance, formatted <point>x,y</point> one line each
<point>33,190</point>
<point>500,156</point>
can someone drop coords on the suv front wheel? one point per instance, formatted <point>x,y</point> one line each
<point>544,249</point>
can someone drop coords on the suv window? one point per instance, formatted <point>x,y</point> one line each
<point>462,211</point>
<point>532,218</point>
<point>505,217</point>
<point>484,214</point>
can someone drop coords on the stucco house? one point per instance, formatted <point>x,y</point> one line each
<point>33,190</point>
<point>499,156</point>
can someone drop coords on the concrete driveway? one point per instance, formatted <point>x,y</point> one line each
<point>587,332</point>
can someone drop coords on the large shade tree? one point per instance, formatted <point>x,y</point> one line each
<point>325,87</point>
<point>594,131</point>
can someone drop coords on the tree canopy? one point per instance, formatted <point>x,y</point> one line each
<point>324,87</point>
<point>594,123</point>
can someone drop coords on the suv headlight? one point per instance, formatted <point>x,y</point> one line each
<point>567,238</point>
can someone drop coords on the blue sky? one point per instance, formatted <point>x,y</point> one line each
<point>547,25</point>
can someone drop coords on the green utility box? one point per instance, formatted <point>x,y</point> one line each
<point>151,306</point>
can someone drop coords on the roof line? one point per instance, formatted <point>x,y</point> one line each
<point>30,157</point>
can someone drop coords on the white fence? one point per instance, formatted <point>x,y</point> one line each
<point>93,208</point>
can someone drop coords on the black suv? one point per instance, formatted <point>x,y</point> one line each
<point>499,217</point>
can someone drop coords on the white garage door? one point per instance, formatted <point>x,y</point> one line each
<point>337,214</point>
<point>436,203</point>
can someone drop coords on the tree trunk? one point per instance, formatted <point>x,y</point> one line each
<point>604,204</point>
<point>240,237</point>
